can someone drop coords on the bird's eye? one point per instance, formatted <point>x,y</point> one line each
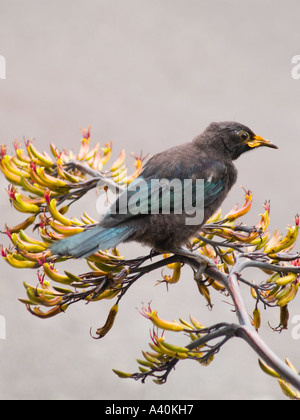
<point>244,135</point>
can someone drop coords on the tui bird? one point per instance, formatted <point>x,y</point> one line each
<point>208,158</point>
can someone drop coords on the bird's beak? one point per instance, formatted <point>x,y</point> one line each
<point>258,141</point>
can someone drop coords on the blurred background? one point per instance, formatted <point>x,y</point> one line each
<point>147,75</point>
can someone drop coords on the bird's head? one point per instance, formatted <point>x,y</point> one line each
<point>234,138</point>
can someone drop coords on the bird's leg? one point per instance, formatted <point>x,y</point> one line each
<point>202,260</point>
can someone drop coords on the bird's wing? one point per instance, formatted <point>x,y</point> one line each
<point>202,181</point>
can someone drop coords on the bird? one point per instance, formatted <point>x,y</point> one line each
<point>208,158</point>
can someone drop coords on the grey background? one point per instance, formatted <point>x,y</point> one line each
<point>147,74</point>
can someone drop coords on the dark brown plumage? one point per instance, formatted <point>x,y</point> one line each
<point>209,157</point>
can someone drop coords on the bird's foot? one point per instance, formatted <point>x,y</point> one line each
<point>202,260</point>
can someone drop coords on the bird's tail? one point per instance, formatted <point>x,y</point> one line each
<point>90,241</point>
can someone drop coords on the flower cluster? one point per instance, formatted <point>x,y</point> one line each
<point>45,187</point>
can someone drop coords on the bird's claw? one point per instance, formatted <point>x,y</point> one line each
<point>203,261</point>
